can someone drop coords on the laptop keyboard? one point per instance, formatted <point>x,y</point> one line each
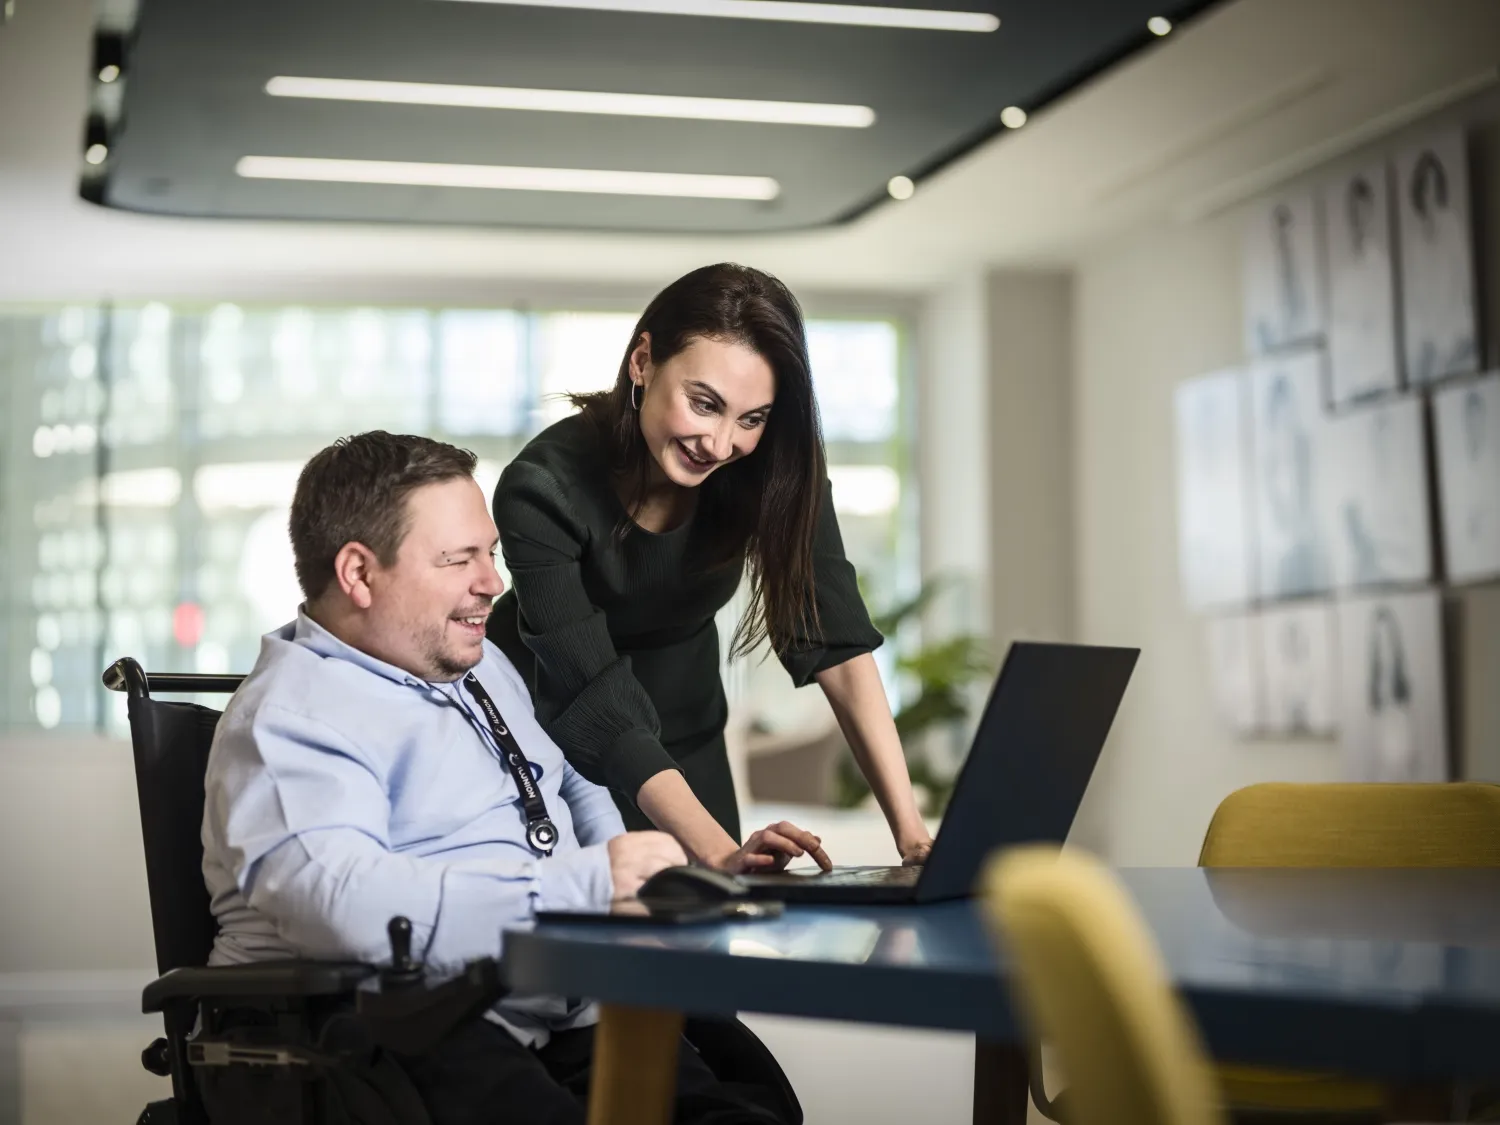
<point>871,876</point>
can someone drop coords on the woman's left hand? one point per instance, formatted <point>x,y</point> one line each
<point>914,852</point>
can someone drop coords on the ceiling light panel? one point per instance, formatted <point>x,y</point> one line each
<point>787,11</point>
<point>574,101</point>
<point>509,178</point>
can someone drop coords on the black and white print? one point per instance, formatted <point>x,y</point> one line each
<point>1288,428</point>
<point>1391,670</point>
<point>1298,662</point>
<point>1213,513</point>
<point>1284,300</point>
<point>1440,332</point>
<point>1379,513</point>
<point>1361,285</point>
<point>1467,417</point>
<point>1234,668</point>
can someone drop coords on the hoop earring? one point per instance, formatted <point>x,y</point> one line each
<point>635,398</point>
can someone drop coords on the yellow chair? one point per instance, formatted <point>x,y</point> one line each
<point>1280,824</point>
<point>1088,980</point>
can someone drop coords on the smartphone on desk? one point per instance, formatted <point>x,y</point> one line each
<point>633,910</point>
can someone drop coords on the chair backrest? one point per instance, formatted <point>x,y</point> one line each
<point>1088,980</point>
<point>171,742</point>
<point>1360,824</point>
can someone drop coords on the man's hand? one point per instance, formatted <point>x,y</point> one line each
<point>636,856</point>
<point>772,848</point>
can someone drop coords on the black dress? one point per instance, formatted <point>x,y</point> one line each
<point>616,637</point>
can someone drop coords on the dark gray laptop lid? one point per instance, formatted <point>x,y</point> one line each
<point>1033,754</point>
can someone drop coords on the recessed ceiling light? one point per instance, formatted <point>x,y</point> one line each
<point>1012,117</point>
<point>574,101</point>
<point>108,74</point>
<point>96,154</point>
<point>1159,25</point>
<point>507,178</point>
<point>901,187</point>
<point>860,15</point>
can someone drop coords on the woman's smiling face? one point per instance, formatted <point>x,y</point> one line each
<point>703,408</point>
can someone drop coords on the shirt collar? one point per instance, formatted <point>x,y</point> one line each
<point>310,635</point>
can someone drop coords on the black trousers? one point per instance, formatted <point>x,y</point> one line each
<point>480,1075</point>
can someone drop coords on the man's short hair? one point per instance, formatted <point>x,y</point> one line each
<point>354,491</point>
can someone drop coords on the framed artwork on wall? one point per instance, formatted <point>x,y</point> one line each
<point>1298,662</point>
<point>1393,695</point>
<point>1467,425</point>
<point>1284,289</point>
<point>1438,310</point>
<point>1288,425</point>
<point>1377,479</point>
<point>1213,511</point>
<point>1362,353</point>
<point>1234,667</point>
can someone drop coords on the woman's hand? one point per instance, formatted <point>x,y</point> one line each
<point>914,851</point>
<point>772,848</point>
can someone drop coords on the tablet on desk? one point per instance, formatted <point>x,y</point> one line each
<point>633,910</point>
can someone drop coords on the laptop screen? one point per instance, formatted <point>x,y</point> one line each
<point>1033,754</point>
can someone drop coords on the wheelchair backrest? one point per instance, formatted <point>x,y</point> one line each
<point>171,742</point>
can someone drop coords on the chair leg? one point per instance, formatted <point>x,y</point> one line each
<point>1000,1083</point>
<point>635,1066</point>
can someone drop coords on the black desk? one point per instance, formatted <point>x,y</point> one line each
<point>1390,974</point>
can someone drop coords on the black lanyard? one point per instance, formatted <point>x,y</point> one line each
<point>541,833</point>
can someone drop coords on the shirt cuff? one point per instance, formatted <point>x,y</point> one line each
<point>577,880</point>
<point>803,666</point>
<point>636,757</point>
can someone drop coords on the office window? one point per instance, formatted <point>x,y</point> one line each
<point>149,453</point>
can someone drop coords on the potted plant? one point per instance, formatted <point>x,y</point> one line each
<point>936,675</point>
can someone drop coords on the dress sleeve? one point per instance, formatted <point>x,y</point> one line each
<point>587,698</point>
<point>846,628</point>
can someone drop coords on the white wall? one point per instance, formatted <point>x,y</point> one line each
<point>1150,312</point>
<point>953,446</point>
<point>72,875</point>
<point>1030,445</point>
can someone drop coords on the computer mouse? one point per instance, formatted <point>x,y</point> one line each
<point>689,886</point>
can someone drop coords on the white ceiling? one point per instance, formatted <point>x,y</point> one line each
<point>1248,93</point>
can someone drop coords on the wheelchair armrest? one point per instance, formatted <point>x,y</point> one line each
<point>412,1018</point>
<point>264,979</point>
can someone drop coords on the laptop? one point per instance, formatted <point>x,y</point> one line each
<point>1033,754</point>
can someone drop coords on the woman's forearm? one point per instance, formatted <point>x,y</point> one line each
<point>859,703</point>
<point>672,806</point>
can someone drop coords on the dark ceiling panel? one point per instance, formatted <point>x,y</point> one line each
<point>194,103</point>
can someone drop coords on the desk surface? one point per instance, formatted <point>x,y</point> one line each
<point>1390,973</point>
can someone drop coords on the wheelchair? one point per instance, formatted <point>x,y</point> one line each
<point>300,1042</point>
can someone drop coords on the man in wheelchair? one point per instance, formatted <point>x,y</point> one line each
<point>382,759</point>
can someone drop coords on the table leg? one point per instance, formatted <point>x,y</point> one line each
<point>1419,1103</point>
<point>635,1066</point>
<point>1000,1091</point>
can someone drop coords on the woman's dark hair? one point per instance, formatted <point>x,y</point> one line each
<point>763,508</point>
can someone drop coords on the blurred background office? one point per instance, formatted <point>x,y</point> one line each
<point>1118,312</point>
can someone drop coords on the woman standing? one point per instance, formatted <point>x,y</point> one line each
<point>627,526</point>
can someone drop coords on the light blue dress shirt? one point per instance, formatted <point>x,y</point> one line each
<point>341,791</point>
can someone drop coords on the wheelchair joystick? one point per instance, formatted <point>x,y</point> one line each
<point>403,970</point>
